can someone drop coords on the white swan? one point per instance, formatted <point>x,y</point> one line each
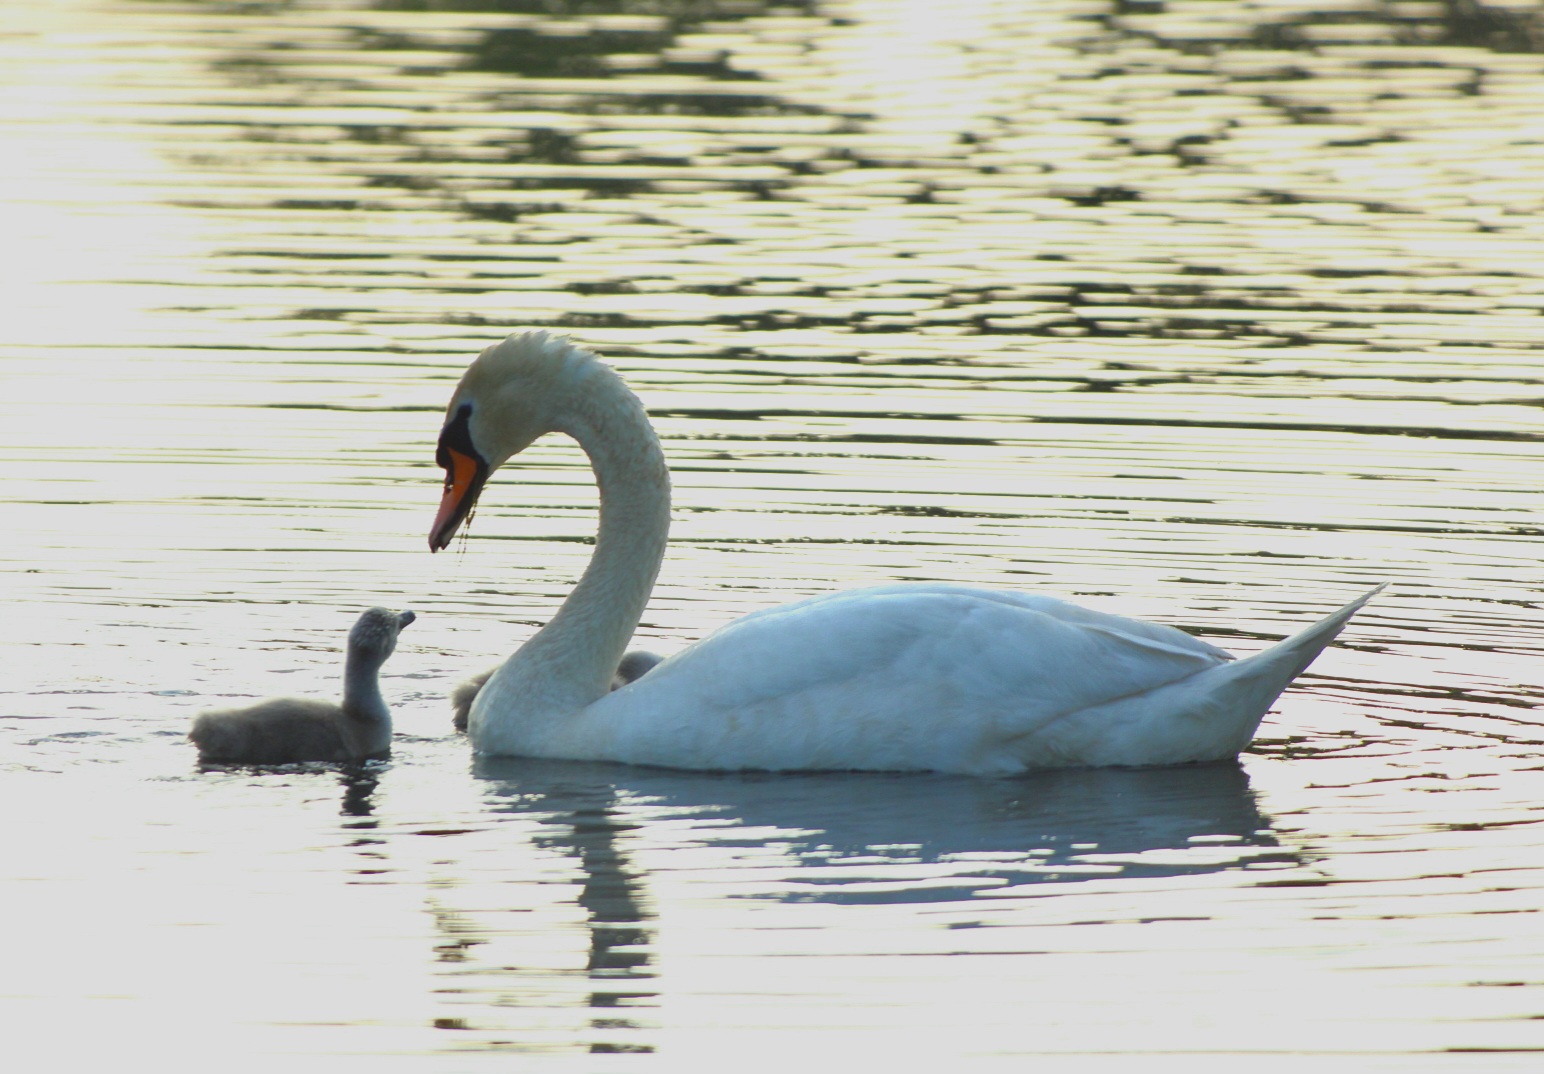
<point>910,677</point>
<point>284,730</point>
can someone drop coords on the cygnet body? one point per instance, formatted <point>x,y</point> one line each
<point>633,665</point>
<point>285,730</point>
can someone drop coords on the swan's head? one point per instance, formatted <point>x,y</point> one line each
<point>514,392</point>
<point>375,633</point>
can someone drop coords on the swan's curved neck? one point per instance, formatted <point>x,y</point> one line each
<point>362,698</point>
<point>569,663</point>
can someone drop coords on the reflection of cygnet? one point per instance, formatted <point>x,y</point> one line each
<point>282,730</point>
<point>633,666</point>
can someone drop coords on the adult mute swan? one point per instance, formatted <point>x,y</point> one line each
<point>284,730</point>
<point>914,677</point>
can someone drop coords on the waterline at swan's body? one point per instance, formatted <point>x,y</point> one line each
<point>934,677</point>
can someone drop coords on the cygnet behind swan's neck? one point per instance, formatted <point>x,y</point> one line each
<point>569,663</point>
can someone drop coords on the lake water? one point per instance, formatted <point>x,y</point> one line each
<point>1210,313</point>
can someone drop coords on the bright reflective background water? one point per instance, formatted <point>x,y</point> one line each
<point>1212,313</point>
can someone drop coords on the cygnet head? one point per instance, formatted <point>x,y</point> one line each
<point>514,392</point>
<point>374,635</point>
<point>635,665</point>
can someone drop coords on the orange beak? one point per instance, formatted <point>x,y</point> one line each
<point>464,478</point>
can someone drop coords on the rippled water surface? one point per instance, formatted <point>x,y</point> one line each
<point>1211,313</point>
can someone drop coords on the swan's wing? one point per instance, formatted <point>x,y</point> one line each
<point>894,676</point>
<point>968,597</point>
<point>984,644</point>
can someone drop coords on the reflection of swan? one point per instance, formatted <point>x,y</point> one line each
<point>1054,826</point>
<point>584,823</point>
<point>901,677</point>
<point>633,665</point>
<point>283,730</point>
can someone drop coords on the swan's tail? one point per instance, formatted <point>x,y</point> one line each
<point>1259,679</point>
<point>1209,716</point>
